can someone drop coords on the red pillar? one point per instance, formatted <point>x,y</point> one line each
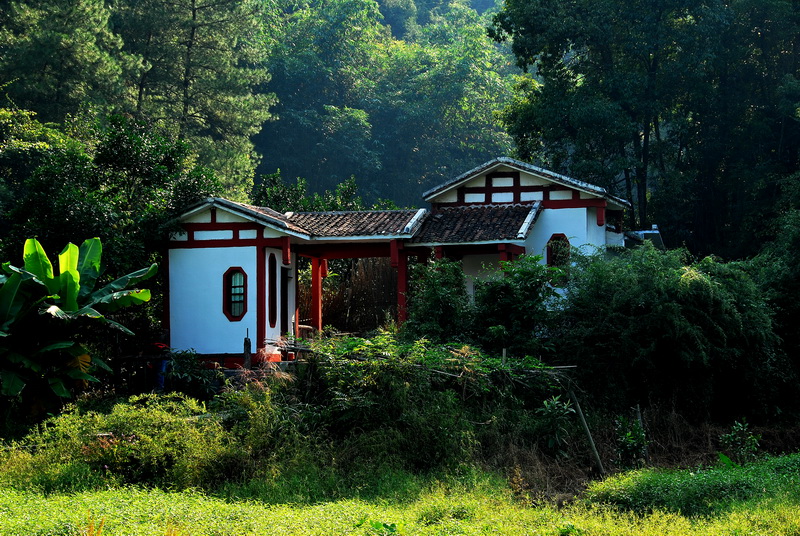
<point>316,293</point>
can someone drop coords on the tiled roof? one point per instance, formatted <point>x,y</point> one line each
<point>484,223</point>
<point>273,215</point>
<point>378,223</point>
<point>530,168</point>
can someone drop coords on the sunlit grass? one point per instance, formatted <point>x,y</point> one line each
<point>441,509</point>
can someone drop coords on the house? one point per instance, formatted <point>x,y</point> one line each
<point>233,267</point>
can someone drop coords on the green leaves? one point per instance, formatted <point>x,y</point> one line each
<point>37,349</point>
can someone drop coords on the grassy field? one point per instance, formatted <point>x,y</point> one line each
<point>485,507</point>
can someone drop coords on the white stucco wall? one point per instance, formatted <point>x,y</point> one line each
<point>571,222</point>
<point>196,319</point>
<point>595,234</point>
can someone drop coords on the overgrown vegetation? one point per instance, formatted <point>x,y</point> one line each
<point>643,326</point>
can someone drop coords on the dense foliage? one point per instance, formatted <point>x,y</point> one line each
<point>643,326</point>
<point>42,311</point>
<point>397,93</point>
<point>658,326</point>
<point>688,108</point>
<point>114,178</point>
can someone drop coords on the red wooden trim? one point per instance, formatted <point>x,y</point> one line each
<point>601,216</point>
<point>316,293</point>
<point>396,248</point>
<point>226,293</point>
<point>213,213</point>
<point>286,250</point>
<point>343,250</point>
<point>296,304</point>
<point>261,298</point>
<point>496,189</point>
<point>575,202</point>
<point>219,226</point>
<point>509,251</point>
<point>228,242</point>
<point>272,267</point>
<point>439,251</point>
<point>570,203</point>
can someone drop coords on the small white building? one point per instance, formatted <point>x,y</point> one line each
<point>232,269</point>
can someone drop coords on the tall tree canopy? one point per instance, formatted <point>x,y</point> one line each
<point>203,61</point>
<point>401,115</point>
<point>687,103</point>
<point>56,55</point>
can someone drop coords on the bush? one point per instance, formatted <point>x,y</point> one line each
<point>439,308</point>
<point>167,441</point>
<point>513,308</point>
<point>653,326</point>
<point>697,492</point>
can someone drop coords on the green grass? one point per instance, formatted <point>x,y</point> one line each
<point>134,512</point>
<point>702,491</point>
<point>478,507</point>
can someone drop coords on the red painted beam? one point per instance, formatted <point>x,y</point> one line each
<point>343,250</point>
<point>286,249</point>
<point>396,252</point>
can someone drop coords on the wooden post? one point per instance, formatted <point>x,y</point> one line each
<point>248,360</point>
<point>402,288</point>
<point>316,293</point>
<point>588,433</point>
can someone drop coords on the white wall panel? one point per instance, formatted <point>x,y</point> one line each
<point>195,299</point>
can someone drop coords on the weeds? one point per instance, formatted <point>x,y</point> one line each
<point>740,443</point>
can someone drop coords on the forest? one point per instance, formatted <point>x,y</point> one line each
<point>117,114</point>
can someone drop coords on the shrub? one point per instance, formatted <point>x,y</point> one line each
<point>439,307</point>
<point>697,492</point>
<point>740,443</point>
<point>513,307</point>
<point>188,374</point>
<point>649,325</point>
<point>156,440</point>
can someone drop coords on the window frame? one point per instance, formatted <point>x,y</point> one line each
<point>228,293</point>
<point>563,243</point>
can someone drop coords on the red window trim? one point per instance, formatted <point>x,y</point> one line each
<point>556,237</point>
<point>227,296</point>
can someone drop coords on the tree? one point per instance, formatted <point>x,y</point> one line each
<point>649,326</point>
<point>439,97</point>
<point>203,67</point>
<point>675,99</point>
<point>273,192</point>
<point>400,115</point>
<point>56,55</point>
<point>439,308</point>
<point>323,70</point>
<point>118,179</point>
<point>515,307</point>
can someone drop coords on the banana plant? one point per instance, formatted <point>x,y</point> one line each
<point>39,309</point>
